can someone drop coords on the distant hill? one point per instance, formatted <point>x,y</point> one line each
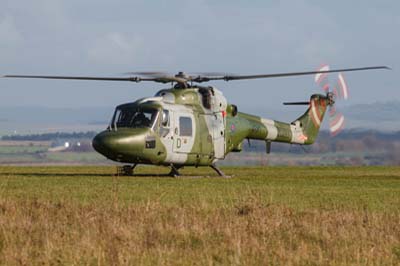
<point>33,120</point>
<point>388,111</point>
<point>378,116</point>
<point>85,115</point>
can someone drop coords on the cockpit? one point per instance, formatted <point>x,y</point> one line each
<point>134,117</point>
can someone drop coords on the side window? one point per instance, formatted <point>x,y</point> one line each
<point>185,126</point>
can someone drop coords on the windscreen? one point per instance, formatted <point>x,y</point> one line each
<point>133,118</point>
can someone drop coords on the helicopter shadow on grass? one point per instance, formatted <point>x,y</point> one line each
<point>138,175</point>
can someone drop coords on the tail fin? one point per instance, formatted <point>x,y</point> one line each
<point>311,120</point>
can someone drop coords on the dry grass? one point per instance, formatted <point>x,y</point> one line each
<point>48,233</point>
<point>245,229</point>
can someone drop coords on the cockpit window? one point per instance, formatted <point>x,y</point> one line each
<point>165,123</point>
<point>128,117</point>
<point>165,118</point>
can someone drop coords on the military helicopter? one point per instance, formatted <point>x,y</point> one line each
<point>193,125</point>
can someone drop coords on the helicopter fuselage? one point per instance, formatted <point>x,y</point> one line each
<point>195,126</point>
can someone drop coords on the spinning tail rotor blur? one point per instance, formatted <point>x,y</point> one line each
<point>337,92</point>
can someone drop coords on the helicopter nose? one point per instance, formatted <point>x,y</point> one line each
<point>101,144</point>
<point>116,145</point>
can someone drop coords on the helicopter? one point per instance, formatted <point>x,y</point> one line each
<point>189,124</point>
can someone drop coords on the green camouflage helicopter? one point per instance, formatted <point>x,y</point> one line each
<point>193,125</point>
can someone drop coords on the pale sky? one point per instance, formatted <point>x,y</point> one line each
<point>98,37</point>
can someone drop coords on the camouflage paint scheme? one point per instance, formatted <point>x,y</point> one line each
<point>217,129</point>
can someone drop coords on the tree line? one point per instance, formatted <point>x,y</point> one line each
<point>50,136</point>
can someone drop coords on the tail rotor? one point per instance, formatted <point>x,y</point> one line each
<point>337,92</point>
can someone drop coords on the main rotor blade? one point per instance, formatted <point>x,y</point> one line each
<point>149,73</point>
<point>133,79</point>
<point>228,78</point>
<point>160,79</point>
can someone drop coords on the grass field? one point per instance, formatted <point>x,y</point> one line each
<point>262,216</point>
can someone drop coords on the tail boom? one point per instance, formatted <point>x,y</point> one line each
<point>303,130</point>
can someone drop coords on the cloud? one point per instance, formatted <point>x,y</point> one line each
<point>10,37</point>
<point>115,48</point>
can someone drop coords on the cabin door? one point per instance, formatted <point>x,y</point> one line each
<point>184,132</point>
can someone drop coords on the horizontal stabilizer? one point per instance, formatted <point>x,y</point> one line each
<point>296,103</point>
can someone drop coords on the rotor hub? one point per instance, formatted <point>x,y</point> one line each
<point>331,98</point>
<point>182,75</point>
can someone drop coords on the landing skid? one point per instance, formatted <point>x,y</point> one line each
<point>125,170</point>
<point>219,171</point>
<point>128,170</point>
<point>175,171</point>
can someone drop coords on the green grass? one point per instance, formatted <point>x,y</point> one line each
<point>376,188</point>
<point>263,215</point>
<point>75,157</point>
